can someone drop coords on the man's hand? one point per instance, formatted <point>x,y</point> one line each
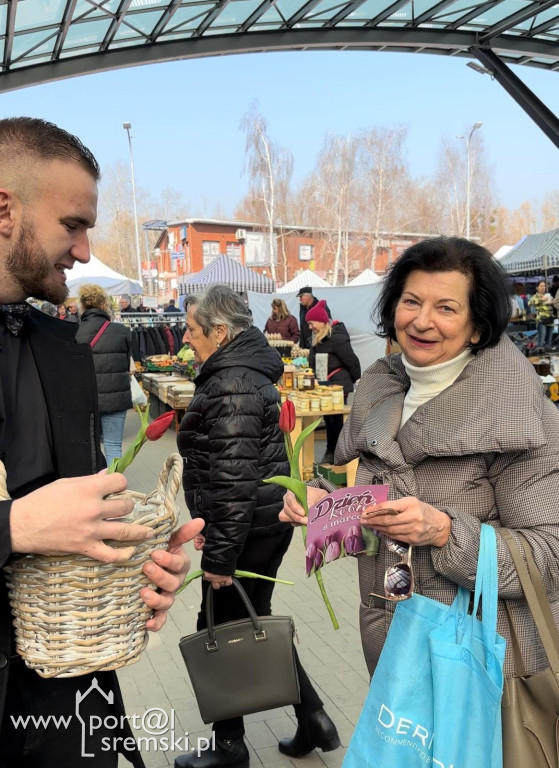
<point>293,512</point>
<point>167,569</point>
<point>72,516</point>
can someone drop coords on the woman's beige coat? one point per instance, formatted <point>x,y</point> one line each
<point>485,450</point>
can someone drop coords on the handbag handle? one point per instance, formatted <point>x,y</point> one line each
<point>534,592</point>
<point>99,333</point>
<point>248,605</point>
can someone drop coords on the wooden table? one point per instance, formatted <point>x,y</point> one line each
<point>306,457</point>
<point>167,399</point>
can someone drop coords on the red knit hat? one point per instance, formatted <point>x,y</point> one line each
<point>318,313</point>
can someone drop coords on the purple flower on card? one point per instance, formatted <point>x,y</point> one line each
<point>313,559</point>
<point>310,555</point>
<point>353,545</point>
<point>333,551</point>
<point>353,541</point>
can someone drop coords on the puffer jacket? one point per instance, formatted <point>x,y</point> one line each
<point>111,357</point>
<point>340,356</point>
<point>230,441</point>
<point>484,450</point>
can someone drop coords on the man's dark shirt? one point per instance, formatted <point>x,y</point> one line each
<point>25,435</point>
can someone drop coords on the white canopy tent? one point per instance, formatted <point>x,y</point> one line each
<point>308,277</point>
<point>367,277</point>
<point>96,272</point>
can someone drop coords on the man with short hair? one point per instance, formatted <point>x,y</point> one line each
<point>49,439</point>
<point>125,305</point>
<point>171,307</point>
<point>307,300</point>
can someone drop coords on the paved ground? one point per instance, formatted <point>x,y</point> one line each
<point>332,658</point>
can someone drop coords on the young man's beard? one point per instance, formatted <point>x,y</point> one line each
<point>28,264</point>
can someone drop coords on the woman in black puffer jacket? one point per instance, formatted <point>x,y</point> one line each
<point>230,441</point>
<point>111,357</point>
<point>344,367</point>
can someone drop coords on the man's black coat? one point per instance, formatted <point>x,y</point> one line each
<point>67,377</point>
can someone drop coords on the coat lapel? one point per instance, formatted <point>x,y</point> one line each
<point>68,379</point>
<point>462,420</point>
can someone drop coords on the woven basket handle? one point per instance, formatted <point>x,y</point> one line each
<point>170,477</point>
<point>4,495</point>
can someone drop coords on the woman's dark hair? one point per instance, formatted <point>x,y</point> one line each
<point>489,296</point>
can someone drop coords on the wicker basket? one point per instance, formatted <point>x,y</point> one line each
<point>74,615</point>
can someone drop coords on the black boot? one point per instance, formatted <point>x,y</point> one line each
<point>314,730</point>
<point>228,753</point>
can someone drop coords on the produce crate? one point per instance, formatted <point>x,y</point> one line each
<point>336,475</point>
<point>158,368</point>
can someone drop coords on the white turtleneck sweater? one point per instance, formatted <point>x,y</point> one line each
<point>429,380</point>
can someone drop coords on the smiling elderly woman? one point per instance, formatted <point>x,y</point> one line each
<point>459,427</point>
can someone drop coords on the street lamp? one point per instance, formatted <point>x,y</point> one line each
<point>127,127</point>
<point>468,139</point>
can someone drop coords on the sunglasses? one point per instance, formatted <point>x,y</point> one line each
<point>398,578</point>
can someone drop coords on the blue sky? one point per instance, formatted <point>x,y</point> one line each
<point>185,115</point>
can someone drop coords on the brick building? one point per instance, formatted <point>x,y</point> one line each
<point>186,247</point>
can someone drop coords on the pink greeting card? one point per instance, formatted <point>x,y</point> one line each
<point>333,528</point>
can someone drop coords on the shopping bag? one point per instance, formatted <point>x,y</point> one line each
<point>138,394</point>
<point>419,710</point>
<point>467,657</point>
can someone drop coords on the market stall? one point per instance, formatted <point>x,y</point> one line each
<point>226,271</point>
<point>168,391</point>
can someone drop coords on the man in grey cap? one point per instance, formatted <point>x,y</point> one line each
<point>307,300</point>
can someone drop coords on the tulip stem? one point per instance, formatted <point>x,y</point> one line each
<point>327,603</point>
<point>238,574</point>
<point>318,574</point>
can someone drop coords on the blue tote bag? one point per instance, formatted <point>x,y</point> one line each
<point>435,695</point>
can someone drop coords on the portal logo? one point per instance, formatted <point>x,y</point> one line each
<point>79,698</point>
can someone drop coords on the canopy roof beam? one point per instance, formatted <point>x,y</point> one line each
<point>536,109</point>
<point>514,19</point>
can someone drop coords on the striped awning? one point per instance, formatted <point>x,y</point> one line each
<point>534,254</point>
<point>226,271</point>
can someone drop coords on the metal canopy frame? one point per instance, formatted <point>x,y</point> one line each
<point>47,40</point>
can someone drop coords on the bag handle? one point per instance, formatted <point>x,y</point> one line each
<point>336,370</point>
<point>486,586</point>
<point>534,592</point>
<point>99,333</point>
<point>248,605</point>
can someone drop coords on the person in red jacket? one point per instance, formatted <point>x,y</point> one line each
<point>282,322</point>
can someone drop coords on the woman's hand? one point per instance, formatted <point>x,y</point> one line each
<point>293,512</point>
<point>199,542</point>
<point>218,580</point>
<point>409,520</point>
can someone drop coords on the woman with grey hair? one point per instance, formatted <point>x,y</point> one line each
<point>230,442</point>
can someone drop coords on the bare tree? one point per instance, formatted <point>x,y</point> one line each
<point>451,183</point>
<point>550,210</point>
<point>384,182</point>
<point>270,167</point>
<point>334,195</point>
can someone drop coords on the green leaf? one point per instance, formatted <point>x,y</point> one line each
<point>292,484</point>
<point>370,540</point>
<point>299,444</point>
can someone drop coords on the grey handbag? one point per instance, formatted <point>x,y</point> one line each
<point>243,666</point>
<point>530,704</point>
